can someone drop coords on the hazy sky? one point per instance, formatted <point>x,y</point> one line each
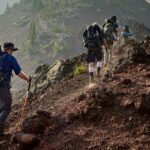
<point>3,4</point>
<point>148,1</point>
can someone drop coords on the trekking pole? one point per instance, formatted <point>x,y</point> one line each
<point>28,91</point>
<point>24,108</point>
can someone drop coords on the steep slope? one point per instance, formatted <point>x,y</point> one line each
<point>112,115</point>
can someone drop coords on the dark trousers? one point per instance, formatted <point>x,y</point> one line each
<point>5,106</point>
<point>94,55</point>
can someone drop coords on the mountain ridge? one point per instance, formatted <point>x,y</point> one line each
<point>57,26</point>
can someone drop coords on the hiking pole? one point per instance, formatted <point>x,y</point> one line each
<point>19,136</point>
<point>24,107</point>
<point>28,91</point>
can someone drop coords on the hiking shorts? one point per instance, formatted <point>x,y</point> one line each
<point>94,55</point>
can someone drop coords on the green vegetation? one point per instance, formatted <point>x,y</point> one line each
<point>37,5</point>
<point>80,69</point>
<point>32,37</point>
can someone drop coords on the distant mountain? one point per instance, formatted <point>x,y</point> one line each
<point>47,30</point>
<point>4,3</point>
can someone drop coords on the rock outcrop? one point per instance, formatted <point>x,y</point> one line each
<point>139,30</point>
<point>46,75</point>
<point>132,52</point>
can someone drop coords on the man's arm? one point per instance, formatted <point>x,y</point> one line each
<point>17,69</point>
<point>23,76</point>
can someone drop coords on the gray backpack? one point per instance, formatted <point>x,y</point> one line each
<point>108,31</point>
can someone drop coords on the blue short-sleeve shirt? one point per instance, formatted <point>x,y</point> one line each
<point>9,64</point>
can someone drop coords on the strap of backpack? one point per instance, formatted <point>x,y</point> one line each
<point>1,68</point>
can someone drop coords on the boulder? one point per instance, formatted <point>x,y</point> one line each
<point>143,104</point>
<point>139,29</point>
<point>36,124</point>
<point>134,52</point>
<point>27,139</point>
<point>146,44</point>
<point>137,54</point>
<point>46,75</point>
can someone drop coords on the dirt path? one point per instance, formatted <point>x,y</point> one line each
<point>58,97</point>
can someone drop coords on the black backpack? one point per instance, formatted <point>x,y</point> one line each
<point>92,38</point>
<point>2,75</point>
<point>91,34</point>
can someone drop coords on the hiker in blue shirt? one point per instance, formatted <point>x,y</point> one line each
<point>8,63</point>
<point>126,34</point>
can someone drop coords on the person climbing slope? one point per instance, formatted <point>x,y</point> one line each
<point>8,63</point>
<point>108,30</point>
<point>94,40</point>
<point>126,34</point>
<point>115,25</point>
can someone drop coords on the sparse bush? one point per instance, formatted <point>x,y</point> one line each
<point>80,69</point>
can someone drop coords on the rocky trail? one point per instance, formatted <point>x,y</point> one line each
<point>70,115</point>
<point>61,94</point>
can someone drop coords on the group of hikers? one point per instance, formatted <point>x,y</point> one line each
<point>95,38</point>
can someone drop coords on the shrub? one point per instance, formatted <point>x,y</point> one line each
<point>80,69</point>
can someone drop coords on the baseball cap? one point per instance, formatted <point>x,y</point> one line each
<point>10,45</point>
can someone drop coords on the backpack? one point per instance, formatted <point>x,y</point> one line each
<point>108,31</point>
<point>92,38</point>
<point>2,75</point>
<point>91,33</point>
<point>107,21</point>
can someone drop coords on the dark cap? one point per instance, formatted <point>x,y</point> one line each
<point>10,45</point>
